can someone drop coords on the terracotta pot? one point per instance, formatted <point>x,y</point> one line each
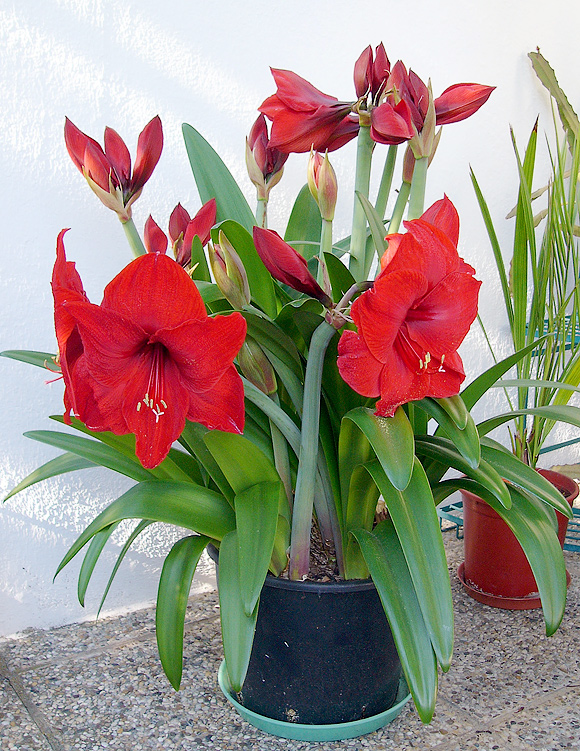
<point>496,570</point>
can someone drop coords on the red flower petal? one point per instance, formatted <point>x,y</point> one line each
<point>155,292</point>
<point>460,101</point>
<point>118,155</point>
<point>357,366</point>
<point>443,215</point>
<point>222,408</point>
<point>392,124</point>
<point>154,237</point>
<point>149,148</point>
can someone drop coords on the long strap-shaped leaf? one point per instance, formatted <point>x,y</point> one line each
<point>60,465</point>
<point>94,451</point>
<point>388,567</point>
<point>256,523</point>
<point>237,627</point>
<point>391,439</point>
<point>466,440</point>
<point>444,452</point>
<point>417,525</point>
<point>214,180</point>
<point>181,503</point>
<point>524,477</point>
<point>528,521</point>
<point>174,585</point>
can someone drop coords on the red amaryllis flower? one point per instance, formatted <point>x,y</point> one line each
<point>286,264</point>
<point>152,357</point>
<point>456,103</point>
<point>411,322</point>
<point>304,118</point>
<point>108,171</point>
<point>182,229</point>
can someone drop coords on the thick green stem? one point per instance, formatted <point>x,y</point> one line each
<point>386,181</point>
<point>134,239</point>
<point>399,210</point>
<point>307,460</point>
<point>417,196</point>
<point>358,236</point>
<point>325,247</point>
<point>262,213</point>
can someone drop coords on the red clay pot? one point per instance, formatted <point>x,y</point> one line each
<point>496,571</point>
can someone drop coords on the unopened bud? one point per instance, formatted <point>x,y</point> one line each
<point>323,184</point>
<point>256,367</point>
<point>229,272</point>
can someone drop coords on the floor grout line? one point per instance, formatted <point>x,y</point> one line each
<point>35,713</point>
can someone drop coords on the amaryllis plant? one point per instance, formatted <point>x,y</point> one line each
<point>265,392</point>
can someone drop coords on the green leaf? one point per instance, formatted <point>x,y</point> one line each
<point>237,627</point>
<point>93,451</point>
<point>304,225</point>
<point>242,463</point>
<point>214,180</point>
<point>478,387</point>
<point>443,451</point>
<point>559,413</point>
<point>174,585</point>
<point>375,224</point>
<point>273,339</point>
<point>528,521</point>
<point>466,441</point>
<point>256,522</point>
<point>199,267</point>
<point>192,437</point>
<point>90,560</point>
<point>262,287</point>
<point>124,550</point>
<point>341,280</point>
<point>44,360</point>
<point>180,503</point>
<point>416,522</point>
<point>391,439</point>
<point>456,409</point>
<point>524,477</point>
<point>389,571</point>
<point>59,466</point>
<point>547,76</point>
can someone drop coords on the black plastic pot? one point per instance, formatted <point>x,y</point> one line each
<point>322,654</point>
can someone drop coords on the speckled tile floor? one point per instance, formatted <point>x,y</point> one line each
<point>100,686</point>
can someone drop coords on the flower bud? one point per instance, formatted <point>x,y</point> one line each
<point>229,272</point>
<point>265,164</point>
<point>256,367</point>
<point>323,184</point>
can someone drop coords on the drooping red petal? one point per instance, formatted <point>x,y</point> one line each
<point>297,93</point>
<point>381,69</point>
<point>460,101</point>
<point>154,292</point>
<point>149,148</point>
<point>154,238</point>
<point>118,155</point>
<point>222,407</point>
<point>357,366</point>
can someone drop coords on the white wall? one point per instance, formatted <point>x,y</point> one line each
<point>120,62</point>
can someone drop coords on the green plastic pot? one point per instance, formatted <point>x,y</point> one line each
<point>301,732</point>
